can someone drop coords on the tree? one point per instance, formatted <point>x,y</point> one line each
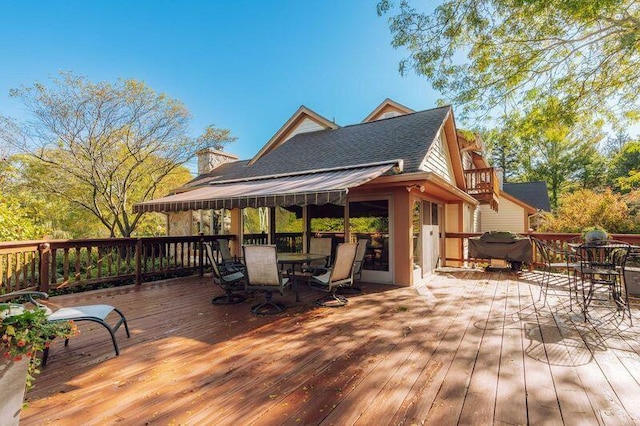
<point>505,150</point>
<point>585,208</point>
<point>557,146</point>
<point>104,146</point>
<point>624,169</point>
<point>489,53</point>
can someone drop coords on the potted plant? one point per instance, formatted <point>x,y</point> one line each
<point>23,333</point>
<point>594,233</point>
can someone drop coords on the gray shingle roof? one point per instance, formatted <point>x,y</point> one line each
<point>533,193</point>
<point>405,137</point>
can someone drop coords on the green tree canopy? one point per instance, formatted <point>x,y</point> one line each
<point>625,167</point>
<point>485,54</point>
<point>105,146</point>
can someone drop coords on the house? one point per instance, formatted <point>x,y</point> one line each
<point>521,208</point>
<point>400,178</point>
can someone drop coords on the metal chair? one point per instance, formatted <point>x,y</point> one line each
<point>361,251</point>
<point>550,256</point>
<point>319,246</point>
<point>602,265</point>
<point>93,313</point>
<point>341,274</point>
<point>262,273</point>
<point>229,262</point>
<point>229,282</point>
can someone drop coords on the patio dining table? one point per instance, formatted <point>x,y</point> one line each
<point>294,259</point>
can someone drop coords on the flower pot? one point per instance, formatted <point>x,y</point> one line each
<point>13,382</point>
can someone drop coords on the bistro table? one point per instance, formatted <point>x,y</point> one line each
<point>294,259</point>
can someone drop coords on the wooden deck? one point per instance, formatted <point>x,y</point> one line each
<point>470,348</point>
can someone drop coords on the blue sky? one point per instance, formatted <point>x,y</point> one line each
<point>242,65</point>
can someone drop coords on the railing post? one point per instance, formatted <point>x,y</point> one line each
<point>201,255</point>
<point>45,260</point>
<point>139,261</point>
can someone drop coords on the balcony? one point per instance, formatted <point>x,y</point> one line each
<point>483,185</point>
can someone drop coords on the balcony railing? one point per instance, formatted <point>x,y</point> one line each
<point>483,185</point>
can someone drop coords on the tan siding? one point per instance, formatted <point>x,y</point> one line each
<point>510,217</point>
<point>438,160</point>
<point>467,162</point>
<point>307,125</point>
<point>471,218</point>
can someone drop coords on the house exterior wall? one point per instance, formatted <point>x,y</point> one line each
<point>453,223</point>
<point>403,238</point>
<point>511,217</point>
<point>438,160</point>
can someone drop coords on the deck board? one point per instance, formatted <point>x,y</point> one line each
<point>471,347</point>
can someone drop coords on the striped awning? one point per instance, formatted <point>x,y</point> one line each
<point>295,190</point>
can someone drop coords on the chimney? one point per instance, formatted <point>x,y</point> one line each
<point>209,159</point>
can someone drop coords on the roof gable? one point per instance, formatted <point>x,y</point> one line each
<point>534,194</point>
<point>302,121</point>
<point>407,138</point>
<point>387,109</point>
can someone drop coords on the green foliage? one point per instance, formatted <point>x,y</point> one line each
<point>26,332</point>
<point>624,171</point>
<point>585,208</point>
<point>18,220</point>
<point>505,53</point>
<point>549,143</point>
<point>287,221</point>
<point>102,147</point>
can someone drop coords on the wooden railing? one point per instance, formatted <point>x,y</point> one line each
<point>59,264</point>
<point>556,240</point>
<point>483,185</point>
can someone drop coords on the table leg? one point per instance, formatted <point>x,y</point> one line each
<point>294,282</point>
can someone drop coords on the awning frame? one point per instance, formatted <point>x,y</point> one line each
<point>320,186</point>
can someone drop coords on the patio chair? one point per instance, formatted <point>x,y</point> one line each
<point>603,265</point>
<point>93,313</point>
<point>229,262</point>
<point>319,246</point>
<point>361,251</point>
<point>229,282</point>
<point>263,274</point>
<point>554,258</point>
<point>341,274</point>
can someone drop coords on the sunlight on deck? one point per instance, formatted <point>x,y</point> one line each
<point>467,347</point>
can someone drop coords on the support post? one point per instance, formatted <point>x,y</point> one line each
<point>45,269</point>
<point>139,261</point>
<point>201,255</point>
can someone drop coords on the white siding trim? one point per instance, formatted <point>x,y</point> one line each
<point>307,125</point>
<point>438,159</point>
